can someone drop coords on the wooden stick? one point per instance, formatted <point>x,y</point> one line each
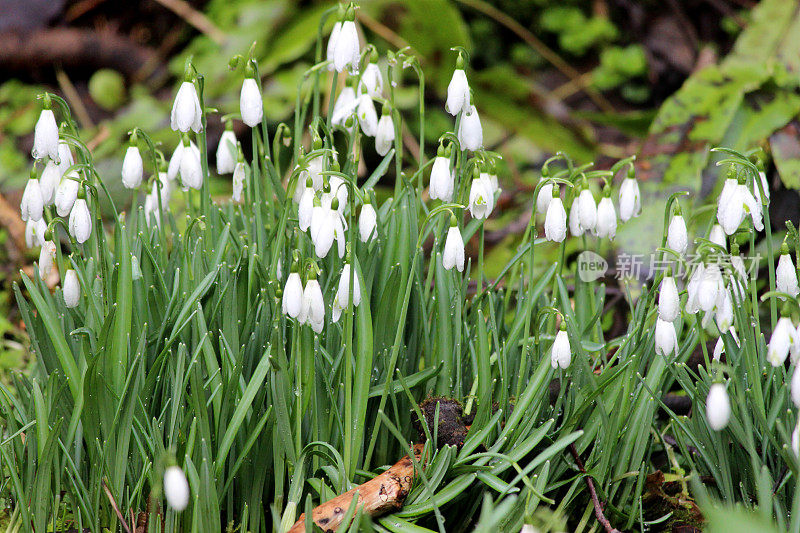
<point>598,507</point>
<point>381,495</point>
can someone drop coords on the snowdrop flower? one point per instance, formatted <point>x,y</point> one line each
<point>312,312</point>
<point>795,386</point>
<point>343,292</point>
<point>606,219</point>
<point>762,176</point>
<point>442,178</point>
<point>251,104</point>
<point>227,152</point>
<point>186,113</point>
<point>67,193</point>
<point>669,305</point>
<point>190,169</point>
<point>45,134</point>
<point>367,116</point>
<point>735,202</point>
<point>384,136</point>
<point>71,289</point>
<point>47,256</point>
<point>630,200</point>
<point>65,159</point>
<point>332,43</point>
<point>132,167</point>
<point>175,161</point>
<point>560,352</point>
<point>338,190</point>
<point>346,104</point>
<point>239,175</point>
<point>371,80</point>
<point>34,232</point>
<point>458,98</point>
<point>544,196</point>
<point>666,340</point>
<point>367,223</point>
<point>555,221</point>
<point>717,236</point>
<point>719,347</point>
<point>796,439</point>
<point>785,274</point>
<point>718,407</point>
<point>677,236</point>
<point>151,207</point>
<point>292,301</point>
<point>708,289</point>
<point>48,182</point>
<point>481,197</point>
<point>80,221</point>
<point>32,202</point>
<point>724,309</point>
<point>781,341</point>
<point>326,225</point>
<point>575,219</point>
<point>176,488</point>
<point>470,131</point>
<point>453,253</point>
<point>346,50</point>
<point>583,213</point>
<point>692,289</point>
<point>305,208</point>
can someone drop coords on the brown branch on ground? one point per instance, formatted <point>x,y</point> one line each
<point>114,506</point>
<point>72,47</point>
<point>598,507</point>
<point>383,494</point>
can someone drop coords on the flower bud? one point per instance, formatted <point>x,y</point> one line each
<point>132,168</point>
<point>470,131</point>
<point>666,340</point>
<point>555,222</point>
<point>560,352</point>
<point>45,136</point>
<point>367,223</point>
<point>458,96</point>
<point>32,202</point>
<point>251,104</point>
<point>71,289</point>
<point>176,488</point>
<point>292,295</point>
<point>630,202</point>
<point>606,219</point>
<point>442,180</point>
<point>718,407</point>
<point>453,253</point>
<point>786,275</point>
<point>186,113</point>
<point>677,236</point>
<point>80,221</point>
<point>227,153</point>
<point>669,305</point>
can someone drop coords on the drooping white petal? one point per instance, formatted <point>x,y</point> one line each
<point>481,197</point>
<point>544,196</point>
<point>458,98</point>
<point>630,202</point>
<point>666,340</point>
<point>384,136</point>
<point>555,222</point>
<point>453,253</point>
<point>190,169</point>
<point>470,131</point>
<point>781,341</point>
<point>346,51</point>
<point>305,209</point>
<point>132,168</point>
<point>45,136</point>
<point>66,193</point>
<point>186,113</point>
<point>442,180</point>
<point>71,289</point>
<point>367,117</point>
<point>176,488</point>
<point>346,104</point>
<point>292,300</point>
<point>371,81</point>
<point>332,43</point>
<point>560,352</point>
<point>786,276</point>
<point>587,210</point>
<point>34,232</point>
<point>669,305</point>
<point>343,291</point>
<point>80,221</point>
<point>367,223</point>
<point>239,177</point>
<point>575,219</point>
<point>47,256</point>
<point>719,347</point>
<point>32,202</point>
<point>313,308</point>
<point>251,104</point>
<point>677,236</point>
<point>48,182</point>
<point>227,153</point>
<point>606,219</point>
<point>718,407</point>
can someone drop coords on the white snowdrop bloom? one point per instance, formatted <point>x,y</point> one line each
<point>312,312</point>
<point>795,386</point>
<point>481,197</point>
<point>785,275</point>
<point>305,208</point>
<point>555,221</point>
<point>575,219</point>
<point>384,135</point>
<point>151,207</point>
<point>367,223</point>
<point>783,338</point>
<point>34,232</point>
<point>762,176</point>
<point>251,104</point>
<point>346,104</point>
<point>544,196</point>
<point>718,407</point>
<point>186,113</point>
<point>692,289</point>
<point>65,159</point>
<point>677,236</point>
<point>45,136</point>
<point>735,203</point>
<point>739,276</point>
<point>239,176</point>
<point>630,200</point>
<point>292,300</point>
<point>67,193</point>
<point>32,202</point>
<point>724,309</point>
<point>367,116</point>
<point>796,439</point>
<point>606,219</point>
<point>227,153</point>
<point>47,256</point>
<point>666,340</point>
<point>80,221</point>
<point>669,304</point>
<point>343,291</point>
<point>71,289</point>
<point>492,179</point>
<point>176,488</point>
<point>719,347</point>
<point>338,191</point>
<point>587,211</point>
<point>371,81</point>
<point>347,51</point>
<point>458,98</point>
<point>191,170</point>
<point>442,180</point>
<point>132,168</point>
<point>710,285</point>
<point>48,182</point>
<point>560,352</point>
<point>453,253</point>
<point>327,225</point>
<point>717,236</point>
<point>332,43</point>
<point>174,167</point>
<point>470,131</point>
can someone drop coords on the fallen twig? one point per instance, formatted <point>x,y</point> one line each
<point>381,495</point>
<point>598,507</point>
<point>114,506</point>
